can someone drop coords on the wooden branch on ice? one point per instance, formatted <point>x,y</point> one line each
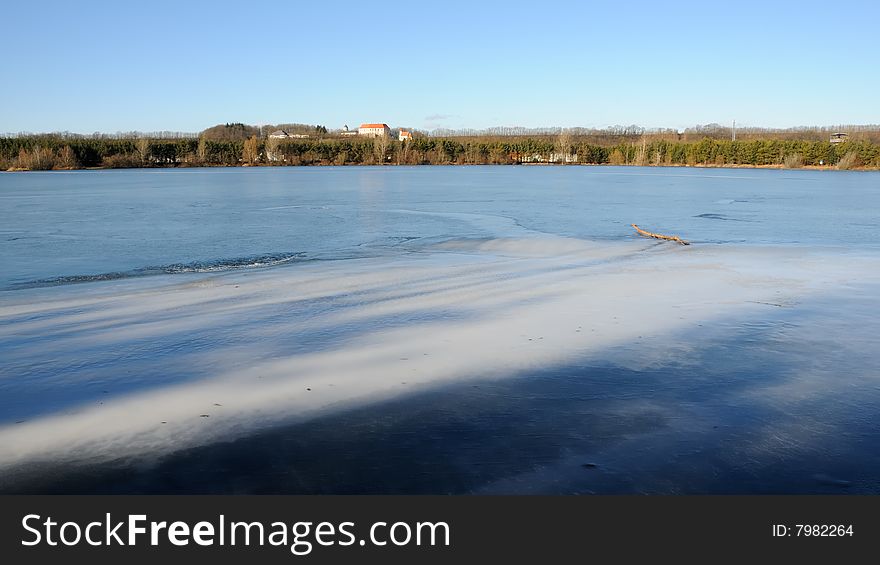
<point>660,236</point>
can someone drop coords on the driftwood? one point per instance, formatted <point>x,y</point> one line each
<point>660,236</point>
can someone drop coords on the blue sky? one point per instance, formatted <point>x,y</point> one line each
<point>150,66</point>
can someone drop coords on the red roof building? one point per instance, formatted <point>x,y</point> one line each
<point>374,130</point>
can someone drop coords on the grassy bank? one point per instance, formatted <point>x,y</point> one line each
<point>56,152</point>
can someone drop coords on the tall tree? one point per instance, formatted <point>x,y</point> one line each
<point>380,147</point>
<point>250,153</point>
<point>142,146</point>
<point>563,145</point>
<point>271,146</point>
<point>202,150</point>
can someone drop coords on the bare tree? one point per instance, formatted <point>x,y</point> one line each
<point>250,153</point>
<point>67,158</point>
<point>380,147</point>
<point>563,145</point>
<point>642,154</point>
<point>202,150</point>
<point>272,144</point>
<point>142,147</point>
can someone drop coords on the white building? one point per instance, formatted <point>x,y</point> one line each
<point>374,130</point>
<point>280,134</point>
<point>559,158</point>
<point>404,135</point>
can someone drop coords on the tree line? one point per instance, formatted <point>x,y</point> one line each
<point>48,152</point>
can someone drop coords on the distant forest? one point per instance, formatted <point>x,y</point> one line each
<point>236,144</point>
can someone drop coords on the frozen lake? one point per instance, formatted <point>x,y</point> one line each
<point>439,330</point>
<point>71,226</point>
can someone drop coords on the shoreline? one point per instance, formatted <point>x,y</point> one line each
<point>269,165</point>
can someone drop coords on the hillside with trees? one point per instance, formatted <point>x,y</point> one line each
<point>230,132</point>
